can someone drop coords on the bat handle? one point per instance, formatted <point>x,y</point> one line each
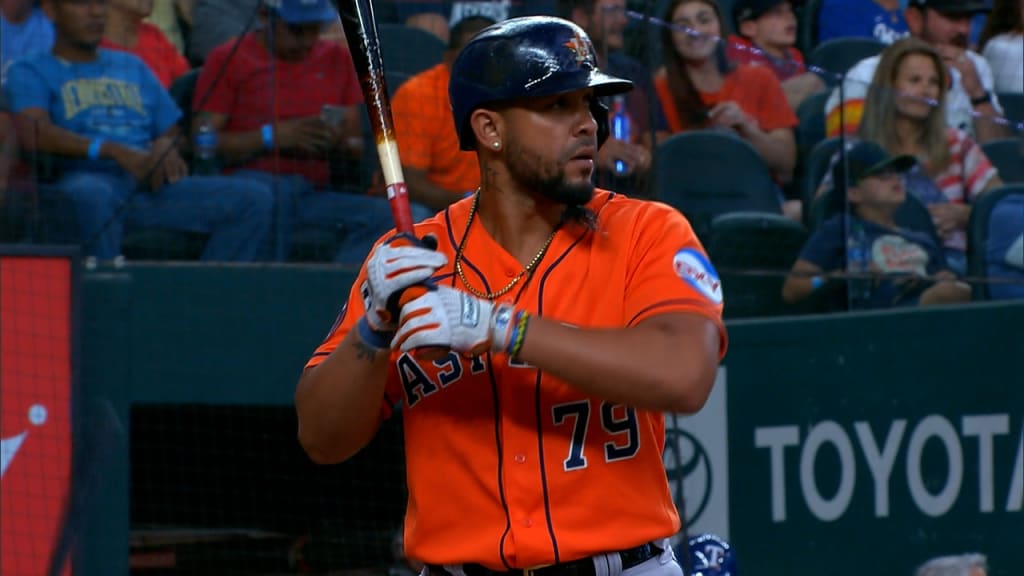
<point>397,191</point>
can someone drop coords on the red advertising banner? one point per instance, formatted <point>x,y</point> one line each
<point>35,408</point>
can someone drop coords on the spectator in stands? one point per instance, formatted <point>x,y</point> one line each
<point>971,102</point>
<point>436,170</point>
<point>440,16</point>
<point>283,101</point>
<point>114,125</point>
<point>8,158</point>
<point>174,19</point>
<point>700,90</point>
<point>904,113</point>
<point>1002,44</point>
<point>604,21</point>
<point>879,19</point>
<point>907,266</point>
<point>766,36</point>
<point>24,30</point>
<point>214,22</point>
<point>962,565</point>
<point>126,31</point>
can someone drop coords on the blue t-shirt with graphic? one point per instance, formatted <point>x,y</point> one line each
<point>27,38</point>
<point>892,251</point>
<point>115,97</point>
<point>862,18</point>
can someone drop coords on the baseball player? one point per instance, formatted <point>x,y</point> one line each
<point>559,324</point>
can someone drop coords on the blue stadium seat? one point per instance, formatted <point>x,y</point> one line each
<point>1013,106</point>
<point>706,173</point>
<point>1007,155</point>
<point>752,252</point>
<point>407,49</point>
<point>834,57</point>
<point>978,228</point>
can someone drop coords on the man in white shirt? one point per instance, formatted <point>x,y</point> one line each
<point>970,104</point>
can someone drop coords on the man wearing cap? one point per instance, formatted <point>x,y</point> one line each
<point>286,104</point>
<point>908,267</point>
<point>971,104</point>
<point>879,19</point>
<point>766,36</point>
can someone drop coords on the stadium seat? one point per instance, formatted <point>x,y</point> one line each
<point>1013,106</point>
<point>978,236</point>
<point>407,49</point>
<point>1007,155</point>
<point>810,131</point>
<point>753,251</point>
<point>834,57</point>
<point>814,166</point>
<point>807,26</point>
<point>706,173</point>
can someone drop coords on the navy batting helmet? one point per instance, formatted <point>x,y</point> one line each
<point>710,555</point>
<point>524,58</point>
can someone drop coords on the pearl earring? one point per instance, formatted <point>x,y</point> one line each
<point>496,145</point>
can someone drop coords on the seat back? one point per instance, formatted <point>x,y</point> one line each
<point>978,237</point>
<point>817,163</point>
<point>753,252</point>
<point>1007,155</point>
<point>408,49</point>
<point>1013,106</point>
<point>834,57</point>
<point>807,26</point>
<point>707,173</point>
<point>182,91</point>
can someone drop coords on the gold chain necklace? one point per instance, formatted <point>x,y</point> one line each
<point>526,271</point>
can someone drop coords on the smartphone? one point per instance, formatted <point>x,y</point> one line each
<point>332,115</point>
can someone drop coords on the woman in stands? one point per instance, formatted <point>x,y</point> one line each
<point>905,112</point>
<point>1002,44</point>
<point>699,90</point>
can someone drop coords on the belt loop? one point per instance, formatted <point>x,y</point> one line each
<point>607,564</point>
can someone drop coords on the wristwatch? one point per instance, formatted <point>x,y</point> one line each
<point>983,99</point>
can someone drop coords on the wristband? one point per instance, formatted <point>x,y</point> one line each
<point>94,148</point>
<point>983,99</point>
<point>267,132</point>
<point>817,282</point>
<point>515,341</point>
<point>371,337</point>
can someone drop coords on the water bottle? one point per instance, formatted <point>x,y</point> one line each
<point>205,150</point>
<point>620,127</point>
<point>858,261</point>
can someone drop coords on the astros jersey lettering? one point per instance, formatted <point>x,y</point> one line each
<point>548,473</point>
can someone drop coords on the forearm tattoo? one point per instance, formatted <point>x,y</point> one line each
<point>364,351</point>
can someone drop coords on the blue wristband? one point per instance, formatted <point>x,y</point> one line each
<point>267,131</point>
<point>94,148</point>
<point>373,338</point>
<point>817,282</point>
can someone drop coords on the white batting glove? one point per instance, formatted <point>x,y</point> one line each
<point>395,265</point>
<point>448,318</point>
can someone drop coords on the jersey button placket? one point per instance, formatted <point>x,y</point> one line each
<point>519,458</point>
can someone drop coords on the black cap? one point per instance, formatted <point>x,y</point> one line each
<point>954,7</point>
<point>866,159</point>
<point>743,10</point>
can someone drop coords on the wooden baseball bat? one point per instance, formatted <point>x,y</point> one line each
<point>364,43</point>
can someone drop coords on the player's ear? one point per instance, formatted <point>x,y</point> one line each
<point>487,126</point>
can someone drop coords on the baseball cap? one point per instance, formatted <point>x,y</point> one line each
<point>958,7</point>
<point>743,10</point>
<point>303,11</point>
<point>867,159</point>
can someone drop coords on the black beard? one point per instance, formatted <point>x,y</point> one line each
<point>523,167</point>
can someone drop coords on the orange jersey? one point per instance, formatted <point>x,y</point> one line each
<point>508,466</point>
<point>426,132</point>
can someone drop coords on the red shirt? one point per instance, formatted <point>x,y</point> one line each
<point>300,89</point>
<point>156,51</point>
